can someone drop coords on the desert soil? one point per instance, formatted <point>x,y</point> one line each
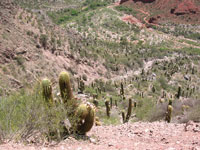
<point>129,136</point>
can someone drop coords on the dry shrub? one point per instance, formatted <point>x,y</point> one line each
<point>193,112</point>
<point>158,112</point>
<point>25,116</point>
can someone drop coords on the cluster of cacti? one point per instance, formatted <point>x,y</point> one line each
<point>81,115</point>
<point>128,115</point>
<point>169,112</point>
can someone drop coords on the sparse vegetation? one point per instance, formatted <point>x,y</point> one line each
<point>128,71</point>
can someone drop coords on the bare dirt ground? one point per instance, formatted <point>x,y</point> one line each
<point>130,136</point>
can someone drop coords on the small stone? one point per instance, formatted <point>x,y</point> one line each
<point>92,140</point>
<point>109,144</point>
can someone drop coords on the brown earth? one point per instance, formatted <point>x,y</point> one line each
<point>136,136</point>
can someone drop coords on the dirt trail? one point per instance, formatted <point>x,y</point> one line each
<point>136,136</point>
<point>147,66</point>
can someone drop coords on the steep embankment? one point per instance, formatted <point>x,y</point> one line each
<point>32,47</point>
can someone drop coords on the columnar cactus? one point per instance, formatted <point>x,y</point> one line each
<point>111,102</point>
<point>47,90</point>
<point>65,86</point>
<point>128,115</point>
<point>169,113</point>
<point>122,89</point>
<point>107,108</point>
<point>123,116</point>
<point>179,92</point>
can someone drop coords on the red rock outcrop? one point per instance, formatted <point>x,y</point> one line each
<point>122,1</point>
<point>186,7</point>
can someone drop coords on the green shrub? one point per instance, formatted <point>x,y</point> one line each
<point>22,115</point>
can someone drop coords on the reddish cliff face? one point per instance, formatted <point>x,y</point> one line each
<point>184,11</point>
<point>144,1</point>
<point>186,7</point>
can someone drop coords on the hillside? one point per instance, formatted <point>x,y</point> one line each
<point>133,56</point>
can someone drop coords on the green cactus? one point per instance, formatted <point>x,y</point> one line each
<point>107,108</point>
<point>111,102</point>
<point>47,90</point>
<point>128,115</point>
<point>81,86</point>
<point>85,115</point>
<point>170,102</point>
<point>169,113</point>
<point>179,92</point>
<point>65,86</point>
<point>122,89</point>
<point>123,116</point>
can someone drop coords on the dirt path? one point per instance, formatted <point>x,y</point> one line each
<point>136,136</point>
<point>147,66</point>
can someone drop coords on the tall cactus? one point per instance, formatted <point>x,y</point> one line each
<point>128,115</point>
<point>179,92</point>
<point>169,113</point>
<point>122,89</point>
<point>107,108</point>
<point>47,90</point>
<point>65,86</point>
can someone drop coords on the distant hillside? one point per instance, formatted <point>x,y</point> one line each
<point>162,11</point>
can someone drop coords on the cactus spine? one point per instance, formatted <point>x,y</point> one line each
<point>47,90</point>
<point>65,86</point>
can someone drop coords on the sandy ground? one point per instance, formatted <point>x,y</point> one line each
<point>135,136</point>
